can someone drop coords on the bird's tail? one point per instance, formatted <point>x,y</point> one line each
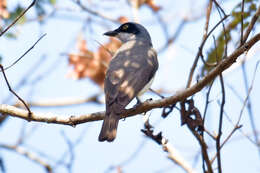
<point>109,127</point>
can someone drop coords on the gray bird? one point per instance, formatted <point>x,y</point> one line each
<point>130,73</point>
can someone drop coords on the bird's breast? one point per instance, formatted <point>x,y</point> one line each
<point>146,87</point>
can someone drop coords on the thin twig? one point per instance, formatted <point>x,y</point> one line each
<point>174,37</point>
<point>218,6</point>
<point>200,52</point>
<point>209,8</point>
<point>157,93</point>
<point>224,30</point>
<point>6,68</point>
<point>21,137</point>
<point>25,78</point>
<point>70,151</point>
<point>240,130</point>
<point>95,13</point>
<point>6,29</point>
<point>242,22</point>
<point>249,107</point>
<point>251,24</point>
<point>220,123</point>
<point>164,28</point>
<point>237,126</point>
<point>225,141</point>
<point>203,120</point>
<point>12,91</point>
<point>106,49</point>
<point>249,91</point>
<point>132,156</point>
<point>207,102</point>
<point>72,144</point>
<point>6,80</point>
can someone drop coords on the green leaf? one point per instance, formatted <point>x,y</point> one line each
<point>252,7</point>
<point>11,35</point>
<point>216,53</point>
<point>52,2</point>
<point>18,10</point>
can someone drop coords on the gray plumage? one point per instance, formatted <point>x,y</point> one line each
<point>130,70</point>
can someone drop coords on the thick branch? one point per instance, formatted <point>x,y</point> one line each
<point>174,155</point>
<point>144,107</point>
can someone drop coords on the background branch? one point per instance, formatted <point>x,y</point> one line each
<point>28,155</point>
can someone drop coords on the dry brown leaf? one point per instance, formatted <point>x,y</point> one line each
<point>123,19</point>
<point>150,3</point>
<point>3,11</point>
<point>92,64</point>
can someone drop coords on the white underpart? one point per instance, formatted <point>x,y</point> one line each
<point>146,88</point>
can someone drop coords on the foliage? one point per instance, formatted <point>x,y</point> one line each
<point>217,52</point>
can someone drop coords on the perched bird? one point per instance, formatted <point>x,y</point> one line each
<point>130,73</point>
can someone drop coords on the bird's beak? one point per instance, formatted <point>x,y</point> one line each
<point>111,33</point>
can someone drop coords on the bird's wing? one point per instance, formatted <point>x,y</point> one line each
<point>128,73</point>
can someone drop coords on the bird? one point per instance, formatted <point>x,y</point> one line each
<point>130,74</point>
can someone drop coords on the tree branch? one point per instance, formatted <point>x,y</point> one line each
<point>7,28</point>
<point>95,13</point>
<point>194,65</point>
<point>173,154</point>
<point>251,24</point>
<point>144,107</point>
<point>218,146</point>
<point>28,155</point>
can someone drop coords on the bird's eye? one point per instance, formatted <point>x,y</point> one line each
<point>125,27</point>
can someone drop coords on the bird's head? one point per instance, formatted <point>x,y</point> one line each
<point>130,31</point>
